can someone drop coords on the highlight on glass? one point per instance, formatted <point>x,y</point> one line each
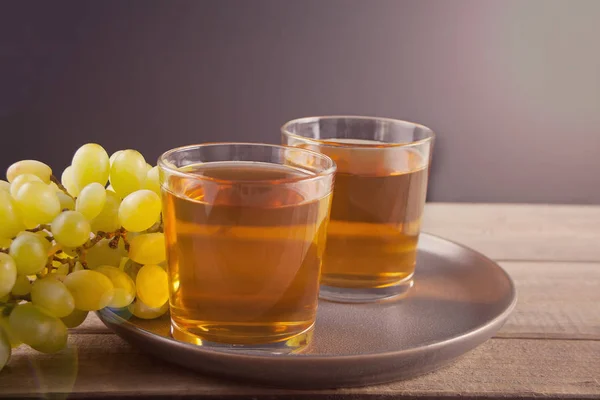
<point>378,200</point>
<point>245,227</point>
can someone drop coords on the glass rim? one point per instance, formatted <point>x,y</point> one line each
<point>172,169</point>
<point>325,142</point>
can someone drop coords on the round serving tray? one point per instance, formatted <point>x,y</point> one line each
<point>460,299</point>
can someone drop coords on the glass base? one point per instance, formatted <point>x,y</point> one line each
<point>295,344</point>
<point>367,295</point>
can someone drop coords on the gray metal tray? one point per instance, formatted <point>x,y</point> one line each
<point>460,299</point>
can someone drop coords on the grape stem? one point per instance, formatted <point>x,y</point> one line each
<point>69,261</point>
<point>60,186</point>
<point>122,234</point>
<point>157,227</point>
<point>81,251</point>
<point>99,236</point>
<point>39,228</point>
<point>114,243</point>
<point>7,308</point>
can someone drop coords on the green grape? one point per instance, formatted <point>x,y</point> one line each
<point>30,254</point>
<point>66,201</point>
<point>8,274</point>
<point>68,181</point>
<point>54,187</point>
<point>38,202</point>
<point>133,235</point>
<point>33,167</point>
<point>152,285</point>
<point>10,221</point>
<point>90,289</point>
<point>78,267</point>
<point>10,335</point>
<point>62,270</point>
<point>29,224</point>
<point>152,182</point>
<point>91,200</point>
<point>108,219</point>
<point>71,229</point>
<point>69,251</point>
<point>139,210</point>
<point>22,286</point>
<point>131,268</point>
<point>52,296</point>
<point>124,288</point>
<point>4,186</point>
<point>143,311</point>
<point>90,164</point>
<point>5,349</point>
<point>123,263</point>
<point>128,172</point>
<point>20,181</point>
<point>38,235</point>
<point>43,234</point>
<point>102,254</point>
<point>148,248</point>
<point>114,156</point>
<point>39,330</point>
<point>75,319</point>
<point>5,242</point>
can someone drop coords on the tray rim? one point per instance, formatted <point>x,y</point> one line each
<point>110,318</point>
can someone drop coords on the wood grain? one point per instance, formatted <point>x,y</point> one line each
<point>556,300</point>
<point>519,231</point>
<point>107,366</point>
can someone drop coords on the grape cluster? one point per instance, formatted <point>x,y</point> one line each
<point>74,245</point>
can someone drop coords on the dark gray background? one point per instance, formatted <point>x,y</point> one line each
<point>511,87</point>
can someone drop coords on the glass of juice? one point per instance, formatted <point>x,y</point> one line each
<point>380,188</point>
<point>245,227</point>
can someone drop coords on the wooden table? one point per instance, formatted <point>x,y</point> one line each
<point>550,346</point>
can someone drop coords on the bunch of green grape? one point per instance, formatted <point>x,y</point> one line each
<point>76,245</point>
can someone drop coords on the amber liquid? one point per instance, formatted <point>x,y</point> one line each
<point>378,201</point>
<point>243,259</point>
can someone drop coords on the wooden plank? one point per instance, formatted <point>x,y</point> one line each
<point>519,231</point>
<point>104,365</point>
<point>556,300</point>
